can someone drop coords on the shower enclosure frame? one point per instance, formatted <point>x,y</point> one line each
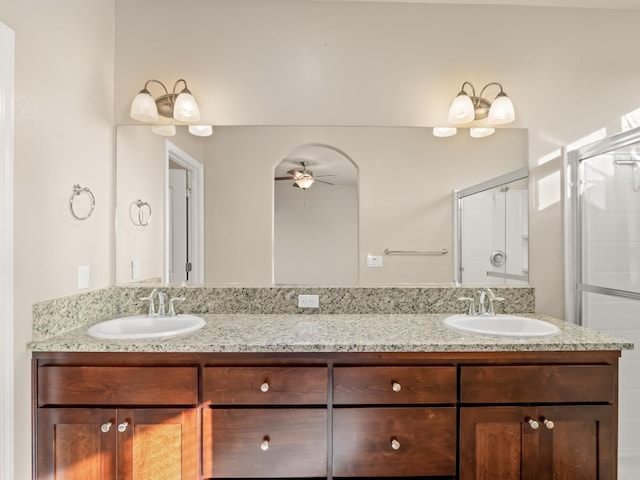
<point>574,278</point>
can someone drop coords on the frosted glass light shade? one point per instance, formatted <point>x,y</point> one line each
<point>305,182</point>
<point>201,130</point>
<point>164,130</point>
<point>461,110</point>
<point>143,107</point>
<point>444,131</point>
<point>478,132</point>
<point>186,108</point>
<point>501,111</point>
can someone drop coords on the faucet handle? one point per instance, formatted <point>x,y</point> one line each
<point>472,305</point>
<point>172,308</point>
<point>152,305</point>
<point>492,299</point>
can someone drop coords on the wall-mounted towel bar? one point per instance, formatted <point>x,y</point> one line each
<point>77,191</point>
<point>508,276</point>
<point>444,251</point>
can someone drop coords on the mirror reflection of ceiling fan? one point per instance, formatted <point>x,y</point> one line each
<point>304,178</point>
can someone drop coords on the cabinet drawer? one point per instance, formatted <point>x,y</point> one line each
<point>264,443</point>
<point>394,385</point>
<point>264,385</point>
<point>538,384</point>
<point>394,441</point>
<point>69,385</point>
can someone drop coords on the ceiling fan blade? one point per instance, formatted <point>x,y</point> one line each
<point>322,181</point>
<point>295,172</point>
<point>284,178</point>
<point>329,175</point>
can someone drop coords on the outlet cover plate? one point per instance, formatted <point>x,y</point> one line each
<point>308,301</point>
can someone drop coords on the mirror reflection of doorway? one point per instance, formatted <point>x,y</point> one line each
<point>316,218</point>
<point>184,235</point>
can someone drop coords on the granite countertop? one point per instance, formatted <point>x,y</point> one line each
<point>334,333</point>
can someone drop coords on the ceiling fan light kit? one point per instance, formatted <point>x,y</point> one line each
<point>304,178</point>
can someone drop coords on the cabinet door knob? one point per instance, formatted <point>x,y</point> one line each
<point>123,426</point>
<point>264,446</point>
<point>264,387</point>
<point>548,423</point>
<point>395,444</point>
<point>105,427</point>
<point>534,425</point>
<point>396,387</point>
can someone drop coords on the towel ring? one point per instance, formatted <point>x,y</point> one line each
<point>77,191</point>
<point>143,216</point>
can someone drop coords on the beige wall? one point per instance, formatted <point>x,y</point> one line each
<point>63,136</point>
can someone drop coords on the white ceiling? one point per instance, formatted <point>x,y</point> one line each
<point>610,4</point>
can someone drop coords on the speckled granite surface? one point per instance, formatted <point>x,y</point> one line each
<point>63,314</point>
<point>334,333</point>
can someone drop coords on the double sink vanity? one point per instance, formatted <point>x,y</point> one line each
<point>393,388</point>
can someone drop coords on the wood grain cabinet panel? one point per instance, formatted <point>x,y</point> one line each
<point>394,385</point>
<point>115,444</point>
<point>538,384</point>
<point>265,385</point>
<point>538,443</point>
<point>394,441</point>
<point>264,443</point>
<point>118,386</point>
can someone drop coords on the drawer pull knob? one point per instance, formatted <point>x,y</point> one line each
<point>264,446</point>
<point>548,423</point>
<point>395,444</point>
<point>123,427</point>
<point>396,387</point>
<point>105,427</point>
<point>264,387</point>
<point>534,425</point>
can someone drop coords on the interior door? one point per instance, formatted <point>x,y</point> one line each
<point>178,226</point>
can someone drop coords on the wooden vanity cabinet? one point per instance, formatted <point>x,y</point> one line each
<point>531,422</point>
<point>86,427</point>
<point>462,416</point>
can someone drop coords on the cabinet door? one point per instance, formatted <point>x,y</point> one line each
<point>538,443</point>
<point>157,444</point>
<point>76,444</point>
<point>577,441</point>
<point>498,443</point>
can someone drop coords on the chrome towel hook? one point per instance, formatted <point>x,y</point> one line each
<point>142,217</point>
<point>77,191</point>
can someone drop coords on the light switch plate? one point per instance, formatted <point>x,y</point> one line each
<point>308,301</point>
<point>83,276</point>
<point>374,260</point>
<point>135,269</point>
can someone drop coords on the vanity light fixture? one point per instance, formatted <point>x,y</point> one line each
<point>444,131</point>
<point>469,107</point>
<point>181,106</point>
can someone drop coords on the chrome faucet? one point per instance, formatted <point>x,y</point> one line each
<point>486,295</point>
<point>161,310</point>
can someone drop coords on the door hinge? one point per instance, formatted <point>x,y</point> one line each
<point>188,267</point>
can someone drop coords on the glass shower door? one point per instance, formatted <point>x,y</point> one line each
<point>605,197</point>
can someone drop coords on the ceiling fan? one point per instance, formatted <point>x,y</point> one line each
<point>304,178</point>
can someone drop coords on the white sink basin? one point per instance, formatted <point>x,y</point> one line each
<point>144,326</point>
<point>502,325</point>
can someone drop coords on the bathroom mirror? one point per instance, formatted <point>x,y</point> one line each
<point>492,231</point>
<point>405,177</point>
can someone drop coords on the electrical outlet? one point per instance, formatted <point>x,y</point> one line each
<point>308,301</point>
<point>83,277</point>
<point>374,260</point>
